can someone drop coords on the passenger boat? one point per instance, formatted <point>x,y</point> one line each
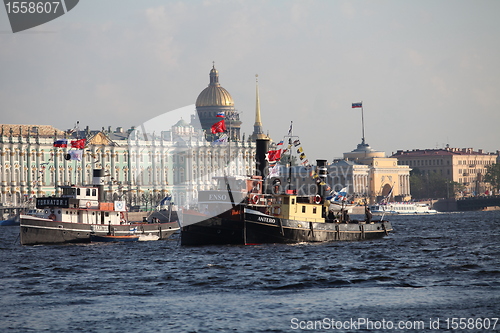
<point>81,212</point>
<point>402,208</point>
<point>250,211</point>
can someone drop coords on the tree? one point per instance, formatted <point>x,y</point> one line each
<point>426,185</point>
<point>492,176</point>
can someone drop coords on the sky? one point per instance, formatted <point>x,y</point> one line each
<point>427,72</point>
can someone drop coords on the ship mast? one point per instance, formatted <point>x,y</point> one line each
<point>362,124</point>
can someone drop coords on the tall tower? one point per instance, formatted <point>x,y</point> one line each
<point>258,132</point>
<point>214,99</point>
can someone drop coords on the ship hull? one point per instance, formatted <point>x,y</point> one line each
<point>258,228</point>
<point>223,229</point>
<point>35,230</point>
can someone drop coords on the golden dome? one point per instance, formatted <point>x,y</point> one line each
<point>214,94</point>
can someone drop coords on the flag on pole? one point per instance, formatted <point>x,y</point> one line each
<point>79,144</point>
<point>340,195</point>
<point>357,105</point>
<point>274,171</point>
<point>273,155</point>
<point>63,143</point>
<point>221,140</point>
<point>76,154</point>
<point>220,114</point>
<point>218,127</point>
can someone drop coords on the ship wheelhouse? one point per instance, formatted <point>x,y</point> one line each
<point>80,205</point>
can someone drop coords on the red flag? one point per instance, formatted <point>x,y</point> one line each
<point>273,155</point>
<point>79,144</point>
<point>218,127</point>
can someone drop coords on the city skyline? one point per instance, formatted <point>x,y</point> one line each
<point>427,73</point>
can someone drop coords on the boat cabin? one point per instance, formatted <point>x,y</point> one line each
<point>228,192</point>
<point>79,205</point>
<point>302,208</point>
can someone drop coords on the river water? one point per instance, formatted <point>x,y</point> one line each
<point>437,273</point>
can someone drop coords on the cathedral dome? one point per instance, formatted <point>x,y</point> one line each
<point>214,94</point>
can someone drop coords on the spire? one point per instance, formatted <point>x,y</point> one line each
<point>214,76</point>
<point>258,133</point>
<point>258,122</point>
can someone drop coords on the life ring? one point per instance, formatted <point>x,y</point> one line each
<point>255,199</point>
<point>52,217</point>
<point>122,218</point>
<point>277,210</point>
<point>88,204</point>
<point>317,199</point>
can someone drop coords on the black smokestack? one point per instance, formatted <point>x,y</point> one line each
<point>98,181</point>
<point>262,165</point>
<point>323,174</point>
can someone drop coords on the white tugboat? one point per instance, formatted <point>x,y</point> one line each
<point>79,213</point>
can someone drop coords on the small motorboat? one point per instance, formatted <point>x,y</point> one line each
<point>12,220</point>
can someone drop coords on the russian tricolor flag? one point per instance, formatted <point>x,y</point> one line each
<point>220,114</point>
<point>63,143</point>
<point>357,105</point>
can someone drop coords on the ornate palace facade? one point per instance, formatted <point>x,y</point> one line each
<point>140,168</point>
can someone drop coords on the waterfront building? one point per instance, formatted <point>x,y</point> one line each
<point>140,168</point>
<point>464,166</point>
<point>29,166</point>
<point>180,162</point>
<point>369,174</point>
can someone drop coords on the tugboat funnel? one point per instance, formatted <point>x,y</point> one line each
<point>262,165</point>
<point>323,174</point>
<point>98,181</point>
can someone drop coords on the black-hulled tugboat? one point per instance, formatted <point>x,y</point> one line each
<point>81,212</point>
<point>255,213</point>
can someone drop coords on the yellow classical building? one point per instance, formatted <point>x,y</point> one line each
<point>368,173</point>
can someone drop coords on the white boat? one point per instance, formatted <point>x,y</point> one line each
<point>402,208</point>
<point>338,201</point>
<point>336,206</point>
<point>81,212</point>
